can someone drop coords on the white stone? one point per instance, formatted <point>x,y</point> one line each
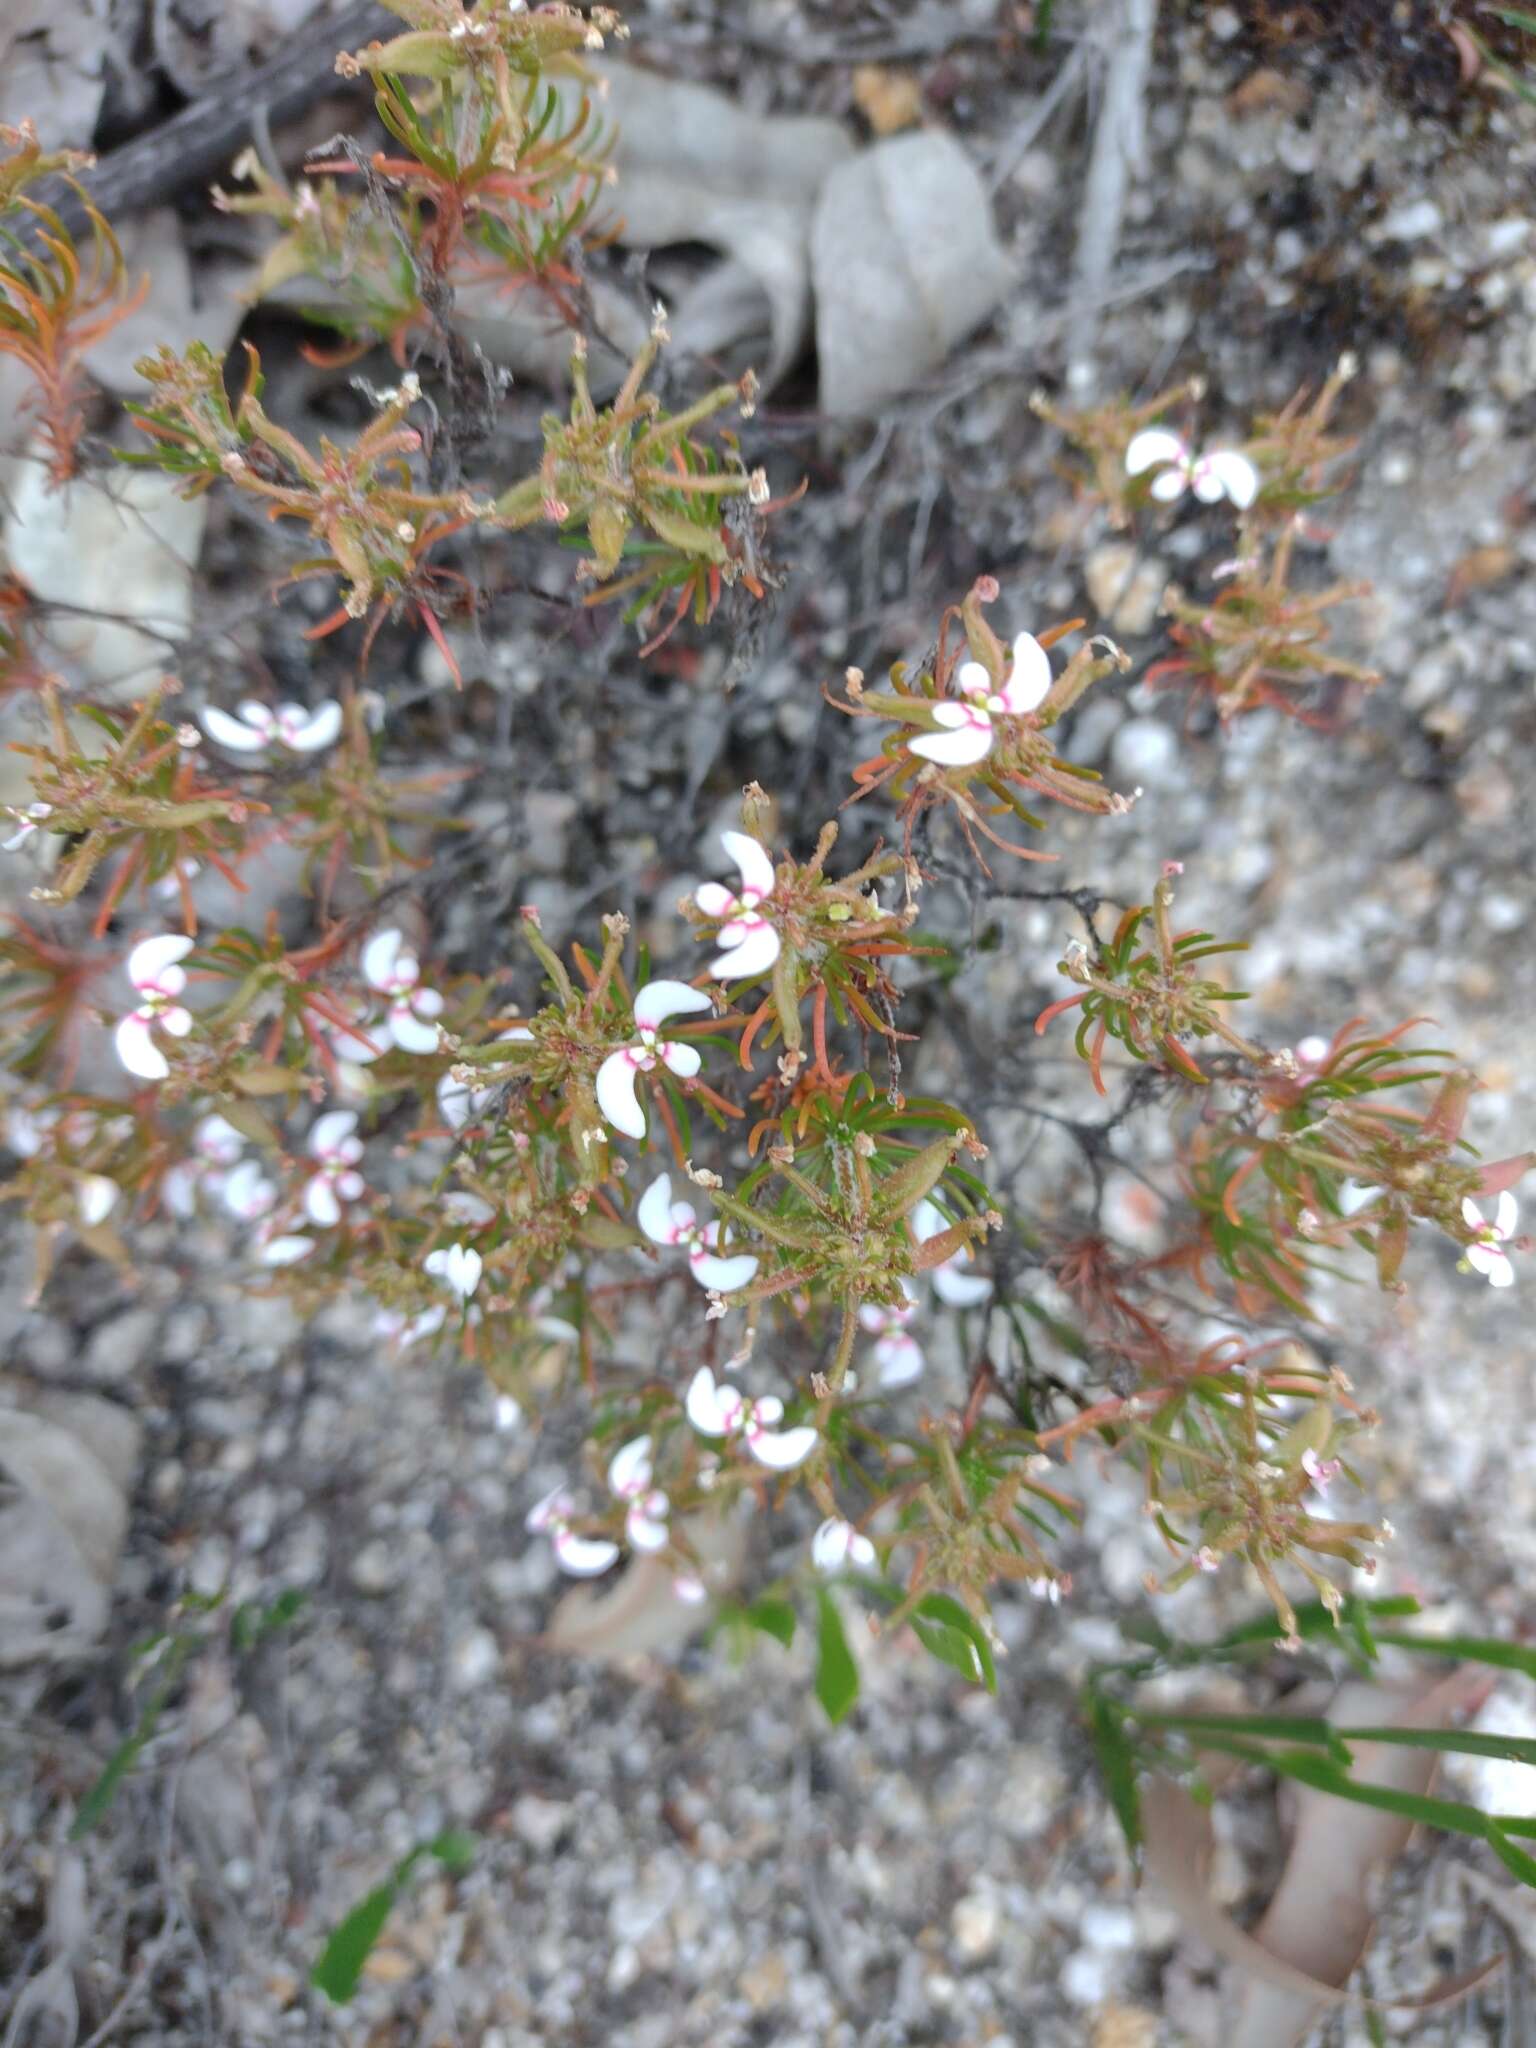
<point>474,1658</point>
<point>1145,752</point>
<point>125,544</point>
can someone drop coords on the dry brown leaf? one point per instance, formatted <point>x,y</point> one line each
<point>640,1615</point>
<point>1296,1963</point>
<point>905,262</point>
<point>888,100</point>
<point>1479,570</point>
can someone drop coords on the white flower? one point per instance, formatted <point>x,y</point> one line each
<point>654,1004</point>
<point>216,1146</point>
<point>258,727</point>
<point>457,1266</point>
<point>333,1145</point>
<point>897,1352</point>
<point>1220,474</point>
<point>391,968</point>
<point>969,718</point>
<point>246,1192</point>
<point>1313,1050</point>
<point>95,1197</point>
<point>508,1411</point>
<point>1207,1560</point>
<point>666,1222</point>
<point>719,1410</point>
<point>27,823</point>
<point>630,1472</point>
<point>404,1330</point>
<point>1488,1256</point>
<point>26,1130</point>
<point>584,1557</point>
<point>750,942</point>
<point>284,1250</point>
<point>159,981</point>
<point>950,1284</point>
<point>837,1546</point>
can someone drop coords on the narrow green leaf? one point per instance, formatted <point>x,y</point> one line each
<point>837,1676</point>
<point>774,1618</point>
<point>1117,1762</point>
<point>1517,1749</point>
<point>956,1638</point>
<point>1514,1860</point>
<point>251,1623</point>
<point>1467,1649</point>
<point>342,1960</point>
<point>1260,1727</point>
<point>131,1748</point>
<point>1515,17</point>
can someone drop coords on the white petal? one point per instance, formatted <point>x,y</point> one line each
<point>829,1546</point>
<point>960,1290</point>
<point>754,953</point>
<point>230,733</point>
<point>382,960</point>
<point>174,1019</point>
<point>630,1468</point>
<point>462,1269</point>
<point>972,679</point>
<point>616,1095</point>
<point>1234,474</point>
<point>320,1202</point>
<point>954,749</point>
<point>178,1191</point>
<point>714,899</point>
<point>216,1138</point>
<point>1471,1215</point>
<point>410,1032</point>
<point>1501,1275</point>
<point>1153,445</point>
<point>659,1000</point>
<point>653,1211</point>
<point>680,1059</point>
<point>150,957</point>
<point>1030,682</point>
<point>752,860</point>
<point>347,1045</point>
<point>322,728</point>
<point>724,1276</point>
<point>137,1050</point>
<point>1170,486</point>
<point>690,1591</point>
<point>329,1131</point>
<point>781,1452</point>
<point>246,1192</point>
<point>508,1411</point>
<point>768,1410</point>
<point>709,1414</point>
<point>583,1557</point>
<point>645,1534</point>
<point>900,1361</point>
<point>95,1197</point>
<point>553,1507</point>
<point>285,1251</point>
<point>1506,1214</point>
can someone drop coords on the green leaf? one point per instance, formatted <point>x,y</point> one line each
<point>837,1676</point>
<point>773,1617</point>
<point>1258,1727</point>
<point>1468,1649</point>
<point>1117,1762</point>
<point>131,1748</point>
<point>342,1960</point>
<point>947,1632</point>
<point>1516,1749</point>
<point>252,1623</point>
